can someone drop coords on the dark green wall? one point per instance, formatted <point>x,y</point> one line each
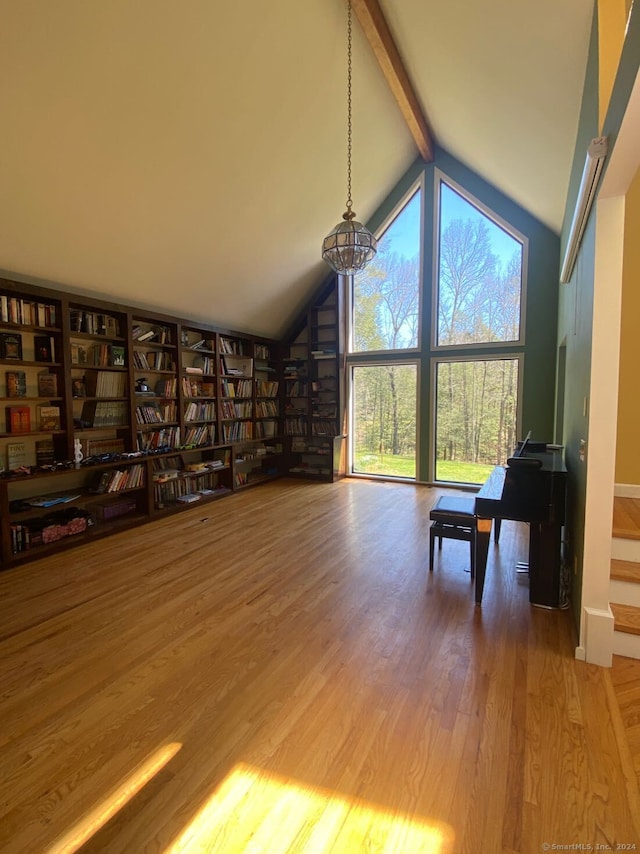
<point>575,306</point>
<point>575,322</point>
<point>541,299</point>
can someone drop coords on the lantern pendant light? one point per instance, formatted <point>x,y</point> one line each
<point>350,246</point>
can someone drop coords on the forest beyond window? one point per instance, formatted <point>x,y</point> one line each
<point>479,276</point>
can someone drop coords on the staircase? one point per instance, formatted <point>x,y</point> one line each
<point>624,585</point>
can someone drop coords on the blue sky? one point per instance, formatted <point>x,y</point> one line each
<point>404,231</point>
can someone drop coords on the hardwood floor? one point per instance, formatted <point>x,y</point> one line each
<point>279,671</point>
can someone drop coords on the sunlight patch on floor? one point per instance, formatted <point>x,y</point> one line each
<point>96,818</point>
<point>254,811</point>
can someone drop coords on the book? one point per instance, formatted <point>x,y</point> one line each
<point>146,336</point>
<point>16,455</point>
<point>47,384</point>
<point>45,452</point>
<point>48,417</point>
<point>52,500</point>
<point>78,387</point>
<point>16,383</point>
<point>117,355</point>
<point>10,345</point>
<point>78,354</point>
<point>101,483</point>
<point>43,348</point>
<point>18,419</point>
<point>189,497</point>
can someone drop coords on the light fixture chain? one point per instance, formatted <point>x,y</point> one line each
<point>349,199</point>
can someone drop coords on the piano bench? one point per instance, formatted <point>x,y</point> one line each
<point>454,518</point>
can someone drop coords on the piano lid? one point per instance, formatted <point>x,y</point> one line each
<point>526,493</point>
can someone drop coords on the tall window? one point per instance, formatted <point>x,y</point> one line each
<point>475,417</point>
<point>386,322</point>
<point>478,298</point>
<point>479,277</point>
<point>384,418</point>
<point>386,295</point>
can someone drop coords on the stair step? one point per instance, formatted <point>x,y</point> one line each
<point>626,518</point>
<point>626,618</point>
<point>625,570</point>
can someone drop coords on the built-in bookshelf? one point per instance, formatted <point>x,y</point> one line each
<point>318,457</point>
<point>256,461</point>
<point>154,395</point>
<point>98,373</point>
<point>180,480</point>
<point>236,389</point>
<point>102,401</point>
<point>267,391</point>
<point>198,379</point>
<point>34,421</point>
<point>314,379</point>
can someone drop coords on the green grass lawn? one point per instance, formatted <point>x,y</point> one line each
<point>398,466</point>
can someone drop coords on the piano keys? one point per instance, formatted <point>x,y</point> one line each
<point>531,489</point>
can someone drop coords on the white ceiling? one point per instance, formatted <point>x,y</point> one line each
<point>191,156</point>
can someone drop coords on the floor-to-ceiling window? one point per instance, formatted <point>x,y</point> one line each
<point>469,363</point>
<point>477,318</point>
<point>384,419</point>
<point>385,329</point>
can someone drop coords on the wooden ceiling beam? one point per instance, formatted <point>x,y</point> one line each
<point>376,30</point>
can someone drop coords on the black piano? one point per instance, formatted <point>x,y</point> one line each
<point>530,488</point>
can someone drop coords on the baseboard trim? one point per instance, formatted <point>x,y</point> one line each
<point>627,490</point>
<point>598,636</point>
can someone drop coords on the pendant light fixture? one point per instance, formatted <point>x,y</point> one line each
<point>350,246</point>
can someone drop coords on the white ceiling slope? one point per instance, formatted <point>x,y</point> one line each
<point>191,156</point>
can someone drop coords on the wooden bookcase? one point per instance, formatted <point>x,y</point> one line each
<point>115,416</point>
<point>314,376</point>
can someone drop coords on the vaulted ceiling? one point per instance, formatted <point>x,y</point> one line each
<point>192,156</point>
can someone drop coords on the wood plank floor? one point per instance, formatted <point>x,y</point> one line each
<point>278,671</point>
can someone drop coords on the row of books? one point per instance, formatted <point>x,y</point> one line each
<point>235,346</point>
<point>192,387</point>
<point>166,388</point>
<point>262,351</point>
<point>295,426</point>
<point>182,489</point>
<point>157,334</point>
<point>18,418</point>
<point>98,355</point>
<point>201,436</point>
<point>116,480</point>
<point>169,437</point>
<point>324,427</point>
<point>99,413</point>
<point>200,412</point>
<point>266,409</point>
<point>237,388</point>
<point>296,388</point>
<point>153,413</point>
<point>106,383</point>
<point>236,409</point>
<point>237,432</point>
<point>94,323</point>
<point>267,389</point>
<point>27,312</point>
<point>155,360</point>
